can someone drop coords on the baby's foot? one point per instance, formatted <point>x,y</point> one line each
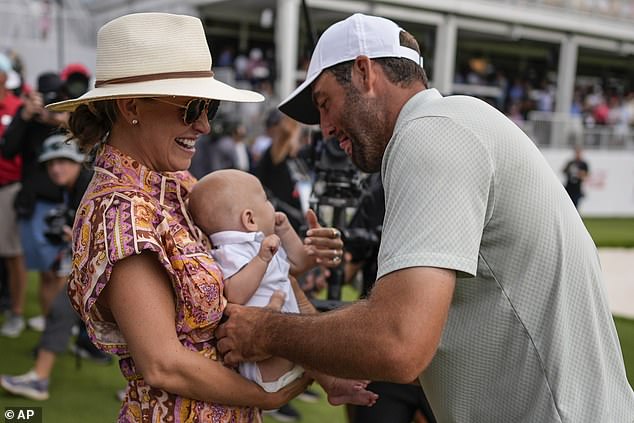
<point>349,391</point>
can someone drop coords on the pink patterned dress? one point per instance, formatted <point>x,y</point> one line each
<point>127,209</point>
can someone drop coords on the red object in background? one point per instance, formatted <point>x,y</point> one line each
<point>74,68</point>
<point>10,170</point>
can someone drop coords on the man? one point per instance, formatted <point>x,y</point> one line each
<point>38,194</point>
<point>10,245</point>
<point>489,287</point>
<point>576,171</point>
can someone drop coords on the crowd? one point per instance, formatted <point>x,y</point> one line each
<point>595,103</point>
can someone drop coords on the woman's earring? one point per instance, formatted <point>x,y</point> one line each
<point>135,122</point>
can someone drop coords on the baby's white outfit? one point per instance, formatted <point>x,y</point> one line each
<point>233,250</point>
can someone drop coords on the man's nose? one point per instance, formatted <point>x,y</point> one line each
<point>327,129</point>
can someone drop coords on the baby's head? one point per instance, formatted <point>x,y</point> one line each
<point>231,200</point>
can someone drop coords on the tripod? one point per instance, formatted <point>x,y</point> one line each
<point>338,205</point>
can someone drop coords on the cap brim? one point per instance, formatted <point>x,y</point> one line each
<point>299,104</point>
<point>78,158</point>
<point>185,87</point>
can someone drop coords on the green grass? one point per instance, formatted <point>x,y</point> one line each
<point>616,232</point>
<point>625,329</point>
<point>87,394</point>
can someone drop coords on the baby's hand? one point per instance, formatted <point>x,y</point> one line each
<point>269,247</point>
<point>281,223</point>
<point>348,391</point>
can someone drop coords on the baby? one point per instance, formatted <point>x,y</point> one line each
<point>257,248</point>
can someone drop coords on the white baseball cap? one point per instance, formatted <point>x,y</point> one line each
<point>58,146</point>
<point>358,35</point>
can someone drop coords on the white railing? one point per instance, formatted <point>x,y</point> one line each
<point>33,20</point>
<point>557,130</point>
<point>619,9</point>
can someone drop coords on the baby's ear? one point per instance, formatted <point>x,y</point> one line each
<point>247,218</point>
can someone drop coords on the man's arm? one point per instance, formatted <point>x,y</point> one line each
<point>12,144</point>
<point>392,336</point>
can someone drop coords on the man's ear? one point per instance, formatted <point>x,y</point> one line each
<point>247,218</point>
<point>363,73</point>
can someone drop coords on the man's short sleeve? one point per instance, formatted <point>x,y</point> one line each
<point>438,180</point>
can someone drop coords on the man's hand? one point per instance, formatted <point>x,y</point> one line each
<point>324,244</point>
<point>33,106</point>
<point>238,336</point>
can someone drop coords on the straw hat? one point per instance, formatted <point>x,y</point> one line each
<point>155,54</point>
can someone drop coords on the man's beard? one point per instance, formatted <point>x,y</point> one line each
<point>366,131</point>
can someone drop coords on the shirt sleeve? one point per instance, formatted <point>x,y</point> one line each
<point>233,257</point>
<point>108,229</point>
<point>438,180</point>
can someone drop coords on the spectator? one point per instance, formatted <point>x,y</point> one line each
<point>10,245</point>
<point>576,171</point>
<point>280,169</point>
<point>64,165</point>
<point>38,194</point>
<point>226,150</point>
<point>263,141</point>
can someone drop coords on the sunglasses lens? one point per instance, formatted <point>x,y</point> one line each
<point>212,110</point>
<point>197,106</point>
<point>194,109</point>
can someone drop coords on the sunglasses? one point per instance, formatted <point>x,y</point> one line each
<point>194,108</point>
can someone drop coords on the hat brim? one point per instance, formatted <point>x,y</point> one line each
<point>45,157</point>
<point>184,87</point>
<point>299,104</point>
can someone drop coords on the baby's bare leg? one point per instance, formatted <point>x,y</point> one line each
<point>273,368</point>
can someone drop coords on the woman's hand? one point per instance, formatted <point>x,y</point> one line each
<point>323,244</point>
<point>273,400</point>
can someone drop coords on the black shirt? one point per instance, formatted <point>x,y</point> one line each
<point>281,185</point>
<point>25,138</point>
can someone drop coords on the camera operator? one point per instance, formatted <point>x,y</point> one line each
<point>397,403</point>
<point>24,137</point>
<point>280,170</point>
<point>64,164</point>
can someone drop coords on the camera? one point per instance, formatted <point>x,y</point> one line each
<point>337,180</point>
<point>361,242</point>
<point>55,220</point>
<point>336,191</point>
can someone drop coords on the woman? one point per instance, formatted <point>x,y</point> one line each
<point>143,279</point>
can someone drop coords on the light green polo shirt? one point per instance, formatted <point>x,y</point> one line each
<point>529,336</point>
